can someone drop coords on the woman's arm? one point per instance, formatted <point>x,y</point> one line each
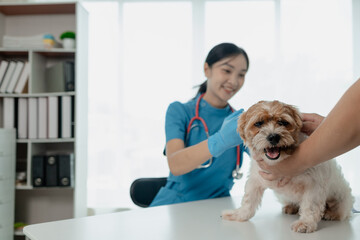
<point>337,134</point>
<point>182,160</point>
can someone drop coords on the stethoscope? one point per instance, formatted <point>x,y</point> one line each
<point>236,174</point>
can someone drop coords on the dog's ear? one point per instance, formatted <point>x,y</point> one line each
<point>241,125</point>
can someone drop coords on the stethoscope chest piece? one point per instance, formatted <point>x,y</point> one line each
<point>236,174</point>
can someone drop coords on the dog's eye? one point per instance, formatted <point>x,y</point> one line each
<point>259,124</point>
<point>283,123</point>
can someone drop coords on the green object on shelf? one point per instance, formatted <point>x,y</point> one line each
<point>19,225</point>
<point>68,34</point>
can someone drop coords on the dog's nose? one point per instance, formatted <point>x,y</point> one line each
<point>273,138</point>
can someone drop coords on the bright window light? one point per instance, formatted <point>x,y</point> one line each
<point>155,68</point>
<point>144,55</point>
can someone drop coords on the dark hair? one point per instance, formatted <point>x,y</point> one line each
<point>219,52</point>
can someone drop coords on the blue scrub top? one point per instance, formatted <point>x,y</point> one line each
<point>214,181</point>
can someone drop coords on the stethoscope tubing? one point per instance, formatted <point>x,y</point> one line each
<point>197,117</point>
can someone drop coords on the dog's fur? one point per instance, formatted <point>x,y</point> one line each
<point>271,130</point>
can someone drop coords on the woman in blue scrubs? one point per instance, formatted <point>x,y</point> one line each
<point>200,166</point>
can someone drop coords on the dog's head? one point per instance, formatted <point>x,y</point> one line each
<point>271,130</point>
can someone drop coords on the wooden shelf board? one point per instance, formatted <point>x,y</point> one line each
<point>14,53</point>
<point>37,8</point>
<point>54,52</point>
<point>42,188</point>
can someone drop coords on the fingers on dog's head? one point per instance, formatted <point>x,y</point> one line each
<point>241,125</point>
<point>295,115</point>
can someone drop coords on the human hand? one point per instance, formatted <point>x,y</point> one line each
<point>282,171</point>
<point>227,137</point>
<point>268,172</point>
<point>310,122</point>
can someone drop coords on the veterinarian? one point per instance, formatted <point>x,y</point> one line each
<point>329,137</point>
<point>201,137</point>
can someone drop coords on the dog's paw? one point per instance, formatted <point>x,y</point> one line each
<point>291,209</point>
<point>239,215</point>
<point>303,227</point>
<point>330,215</point>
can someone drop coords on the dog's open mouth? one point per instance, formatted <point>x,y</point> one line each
<point>272,153</point>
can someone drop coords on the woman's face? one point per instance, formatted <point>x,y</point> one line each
<point>225,78</point>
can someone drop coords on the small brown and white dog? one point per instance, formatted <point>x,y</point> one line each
<point>271,131</point>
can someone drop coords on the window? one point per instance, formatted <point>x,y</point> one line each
<point>145,55</point>
<point>127,117</point>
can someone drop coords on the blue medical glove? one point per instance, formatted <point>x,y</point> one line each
<point>227,137</point>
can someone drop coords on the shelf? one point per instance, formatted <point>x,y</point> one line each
<point>34,205</point>
<point>37,8</point>
<point>47,140</point>
<point>19,233</point>
<point>21,52</point>
<point>56,53</point>
<point>23,187</point>
<point>48,94</point>
<point>41,188</point>
<point>14,53</point>
<point>45,50</point>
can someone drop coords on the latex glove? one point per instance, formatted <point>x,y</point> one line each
<point>227,137</point>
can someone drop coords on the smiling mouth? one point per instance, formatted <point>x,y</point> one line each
<point>229,90</point>
<point>272,153</point>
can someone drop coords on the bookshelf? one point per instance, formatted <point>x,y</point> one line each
<point>32,204</point>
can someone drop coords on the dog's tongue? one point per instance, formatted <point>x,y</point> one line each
<point>273,153</point>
